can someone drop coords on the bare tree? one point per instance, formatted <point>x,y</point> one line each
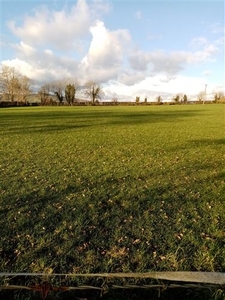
<point>14,85</point>
<point>64,88</point>
<point>201,96</point>
<point>57,87</point>
<point>76,88</point>
<point>93,91</point>
<point>219,97</point>
<point>8,83</point>
<point>44,93</point>
<point>24,88</point>
<point>114,100</point>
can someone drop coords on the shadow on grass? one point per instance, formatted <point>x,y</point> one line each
<point>93,224</point>
<point>209,142</point>
<point>221,176</point>
<point>122,294</point>
<point>37,226</point>
<point>43,128</point>
<point>44,122</point>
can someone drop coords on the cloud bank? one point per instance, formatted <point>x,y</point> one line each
<point>75,42</point>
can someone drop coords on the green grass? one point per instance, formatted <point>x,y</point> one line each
<point>112,189</point>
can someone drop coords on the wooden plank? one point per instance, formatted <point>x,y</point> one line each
<point>195,277</point>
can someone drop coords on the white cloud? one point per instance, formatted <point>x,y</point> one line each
<point>217,28</point>
<point>60,29</point>
<point>138,15</point>
<point>206,54</point>
<point>153,86</point>
<point>48,52</point>
<point>220,42</point>
<point>49,40</point>
<point>139,60</point>
<point>207,72</point>
<point>198,42</point>
<point>152,37</point>
<point>130,78</point>
<point>171,63</point>
<point>105,56</point>
<point>46,69</point>
<point>75,42</point>
<point>157,62</point>
<point>25,68</point>
<point>24,48</point>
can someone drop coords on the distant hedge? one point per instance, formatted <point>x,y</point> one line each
<point>16,103</point>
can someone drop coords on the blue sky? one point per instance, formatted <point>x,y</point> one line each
<point>133,48</point>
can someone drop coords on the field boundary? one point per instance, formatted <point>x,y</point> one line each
<point>187,280</point>
<point>185,276</point>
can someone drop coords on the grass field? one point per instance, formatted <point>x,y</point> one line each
<point>112,189</point>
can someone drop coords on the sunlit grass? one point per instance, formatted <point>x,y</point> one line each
<point>111,189</point>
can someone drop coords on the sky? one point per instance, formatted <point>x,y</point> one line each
<point>132,48</point>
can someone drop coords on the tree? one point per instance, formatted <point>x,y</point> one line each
<point>158,99</point>
<point>44,93</point>
<point>137,99</point>
<point>115,100</point>
<point>185,99</point>
<point>176,98</point>
<point>201,96</point>
<point>14,85</point>
<point>23,88</point>
<point>71,88</point>
<point>219,97</point>
<point>93,91</point>
<point>57,87</point>
<point>70,93</point>
<point>9,82</point>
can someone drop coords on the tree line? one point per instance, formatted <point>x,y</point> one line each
<point>15,87</point>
